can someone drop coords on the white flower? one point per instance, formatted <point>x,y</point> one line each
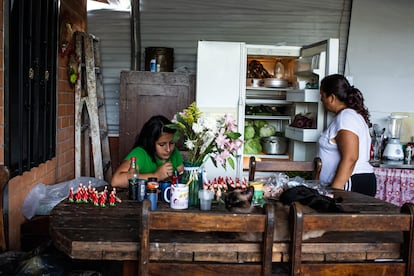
<point>189,144</point>
<point>197,127</point>
<point>210,123</point>
<point>207,138</point>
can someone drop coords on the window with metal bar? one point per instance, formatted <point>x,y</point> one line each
<point>30,96</point>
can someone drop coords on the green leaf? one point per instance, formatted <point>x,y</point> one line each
<point>172,126</point>
<point>176,137</point>
<point>214,161</point>
<point>233,135</point>
<point>231,162</point>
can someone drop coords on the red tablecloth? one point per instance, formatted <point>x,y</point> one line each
<point>395,185</point>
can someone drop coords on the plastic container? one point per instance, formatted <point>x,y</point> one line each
<point>153,65</point>
<point>206,197</point>
<point>152,196</point>
<point>141,189</point>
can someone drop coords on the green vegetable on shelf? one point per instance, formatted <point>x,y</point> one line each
<point>249,132</point>
<point>267,130</point>
<point>259,123</point>
<point>252,146</point>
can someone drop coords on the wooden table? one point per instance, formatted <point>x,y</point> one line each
<point>87,232</point>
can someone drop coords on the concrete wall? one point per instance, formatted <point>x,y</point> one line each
<point>381,57</point>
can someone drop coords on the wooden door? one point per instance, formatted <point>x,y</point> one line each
<point>144,94</point>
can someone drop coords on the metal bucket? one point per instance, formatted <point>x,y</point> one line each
<point>164,57</point>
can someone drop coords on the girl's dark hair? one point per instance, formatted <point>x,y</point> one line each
<point>150,133</point>
<point>339,86</point>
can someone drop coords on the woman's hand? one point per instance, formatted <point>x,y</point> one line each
<point>164,171</point>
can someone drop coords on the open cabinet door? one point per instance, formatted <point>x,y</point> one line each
<point>316,61</point>
<point>221,67</point>
<point>325,62</point>
<point>331,49</point>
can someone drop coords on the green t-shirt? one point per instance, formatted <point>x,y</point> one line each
<point>145,163</point>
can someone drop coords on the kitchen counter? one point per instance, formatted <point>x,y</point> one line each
<point>393,165</point>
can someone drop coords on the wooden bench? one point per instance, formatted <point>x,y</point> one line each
<point>205,222</point>
<point>268,165</point>
<point>364,230</point>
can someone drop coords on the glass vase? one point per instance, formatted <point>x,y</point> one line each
<point>193,176</point>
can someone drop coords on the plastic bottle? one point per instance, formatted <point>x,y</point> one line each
<point>142,189</point>
<point>279,70</point>
<point>153,65</point>
<point>133,176</point>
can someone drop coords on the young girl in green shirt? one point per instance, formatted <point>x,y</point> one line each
<point>155,151</point>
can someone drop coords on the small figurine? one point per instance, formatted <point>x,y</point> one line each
<point>85,195</point>
<point>112,198</point>
<point>78,196</point>
<point>95,198</point>
<point>90,191</point>
<point>116,197</point>
<point>105,193</point>
<point>102,199</point>
<point>92,195</point>
<point>71,197</point>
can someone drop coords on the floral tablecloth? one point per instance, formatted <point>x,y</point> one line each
<point>395,185</point>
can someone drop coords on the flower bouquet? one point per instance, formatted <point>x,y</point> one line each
<point>205,137</point>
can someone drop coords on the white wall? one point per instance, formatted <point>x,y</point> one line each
<point>381,57</point>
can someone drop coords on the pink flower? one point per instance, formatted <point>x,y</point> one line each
<point>222,140</point>
<point>222,157</point>
<point>235,145</point>
<point>230,123</point>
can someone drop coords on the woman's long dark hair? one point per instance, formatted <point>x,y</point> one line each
<point>150,133</point>
<point>339,86</point>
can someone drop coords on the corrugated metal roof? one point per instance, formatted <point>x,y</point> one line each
<point>180,24</point>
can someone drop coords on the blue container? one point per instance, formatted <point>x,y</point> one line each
<point>141,189</point>
<point>153,65</point>
<point>152,196</point>
<point>163,196</point>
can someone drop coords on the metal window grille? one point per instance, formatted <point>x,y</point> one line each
<point>30,96</point>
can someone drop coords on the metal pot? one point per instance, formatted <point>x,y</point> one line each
<point>275,82</point>
<point>274,144</point>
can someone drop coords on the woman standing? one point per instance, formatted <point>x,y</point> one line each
<point>155,151</point>
<point>344,146</point>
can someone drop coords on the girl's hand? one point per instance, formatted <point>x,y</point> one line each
<point>165,170</point>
